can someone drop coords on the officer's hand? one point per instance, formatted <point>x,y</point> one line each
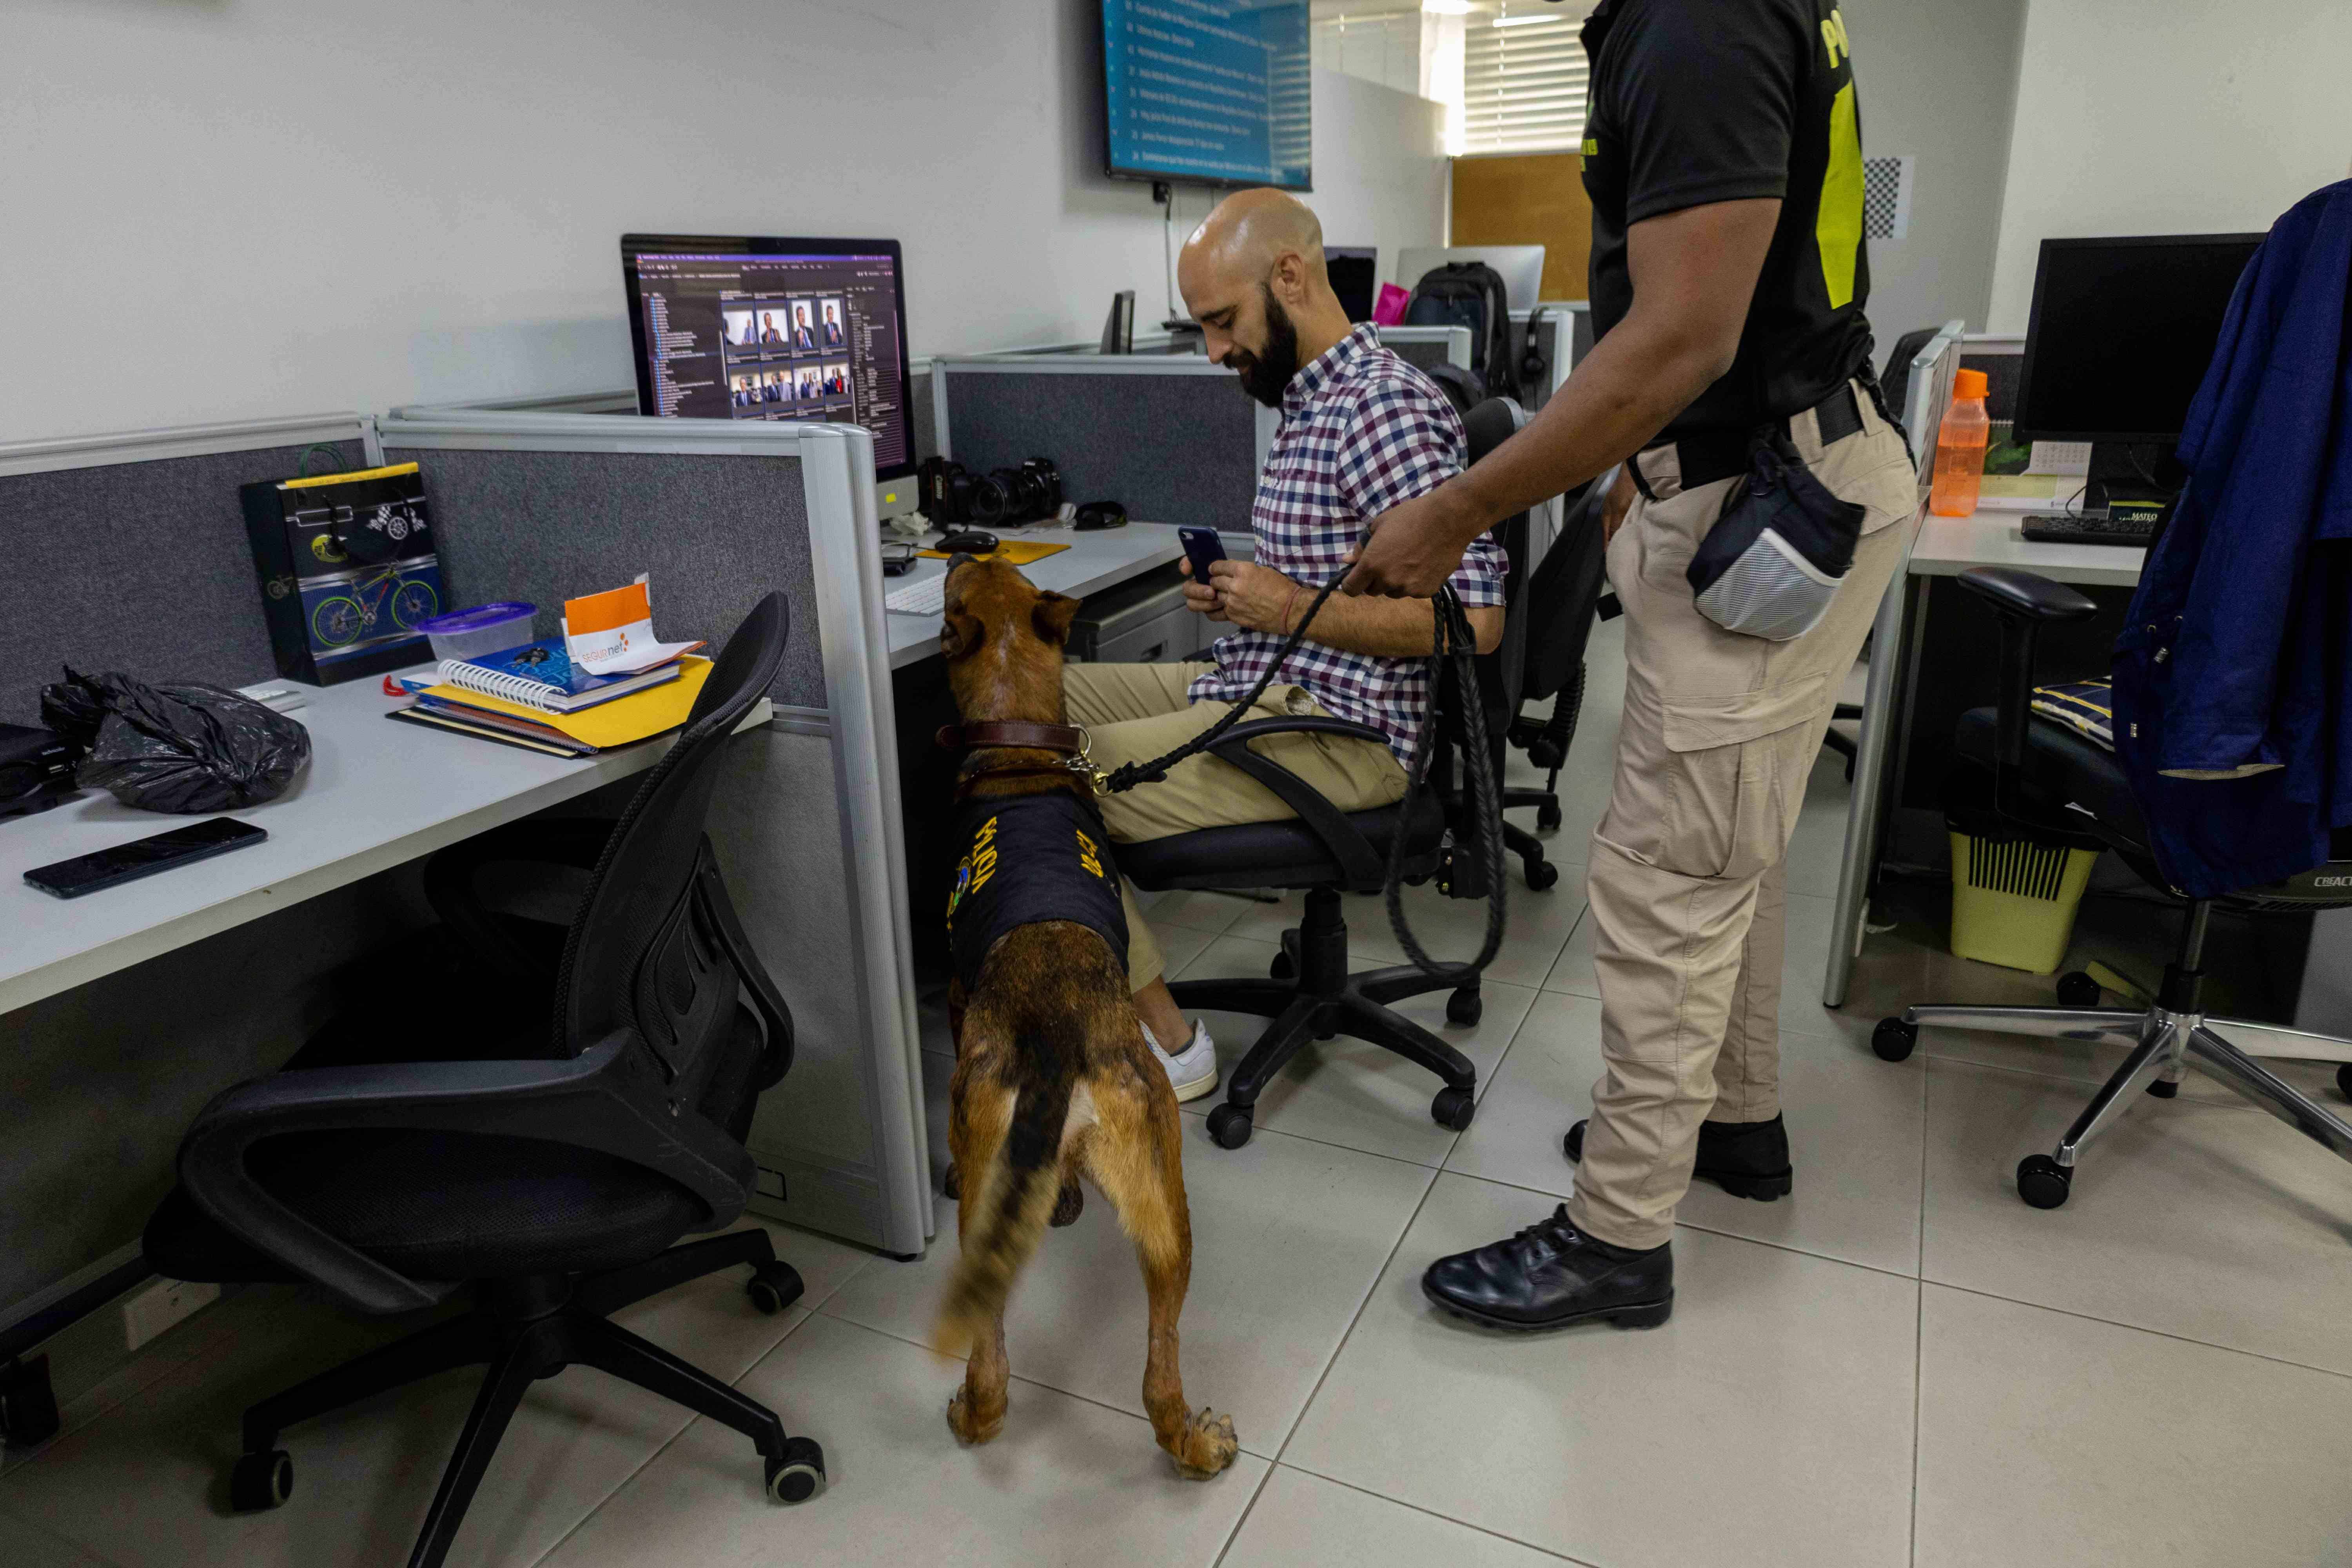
<point>1254,596</point>
<point>1617,502</point>
<point>1202,599</point>
<point>1413,548</point>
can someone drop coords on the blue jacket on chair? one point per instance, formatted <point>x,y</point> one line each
<point>2233,676</point>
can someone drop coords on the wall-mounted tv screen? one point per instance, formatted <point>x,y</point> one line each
<point>1210,91</point>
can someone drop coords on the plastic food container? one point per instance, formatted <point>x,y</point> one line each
<point>485,628</point>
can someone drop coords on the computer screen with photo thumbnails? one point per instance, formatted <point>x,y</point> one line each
<point>795,330</point>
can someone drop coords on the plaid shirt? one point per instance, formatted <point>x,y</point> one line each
<point>1362,431</point>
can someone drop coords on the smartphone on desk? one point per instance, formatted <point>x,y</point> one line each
<point>144,857</point>
<point>1202,548</point>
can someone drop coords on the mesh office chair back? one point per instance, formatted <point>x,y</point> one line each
<point>647,950</point>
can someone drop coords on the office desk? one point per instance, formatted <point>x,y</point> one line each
<point>375,794</point>
<point>1942,547</point>
<point>1092,563</point>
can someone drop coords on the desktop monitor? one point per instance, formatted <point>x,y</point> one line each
<point>2121,333</point>
<point>1355,277</point>
<point>729,327</point>
<point>1521,267</point>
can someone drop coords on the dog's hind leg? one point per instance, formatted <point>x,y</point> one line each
<point>1136,1157</point>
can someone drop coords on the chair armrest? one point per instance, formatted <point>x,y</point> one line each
<point>1359,861</point>
<point>2013,591</point>
<point>574,841</point>
<point>607,1100</point>
<point>2023,602</point>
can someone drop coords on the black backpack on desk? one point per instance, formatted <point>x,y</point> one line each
<point>1470,294</point>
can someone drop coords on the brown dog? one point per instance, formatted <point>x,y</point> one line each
<point>1053,1078</point>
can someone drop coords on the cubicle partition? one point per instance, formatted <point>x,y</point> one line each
<point>1169,437</point>
<point>538,505</point>
<point>129,551</point>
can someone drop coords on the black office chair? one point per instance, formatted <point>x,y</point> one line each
<point>2058,788</point>
<point>1325,851</point>
<point>411,1150</point>
<point>1558,608</point>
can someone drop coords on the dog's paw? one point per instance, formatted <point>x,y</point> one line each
<point>1205,1445</point>
<point>971,1430</point>
<point>1070,1205</point>
<point>951,1184</point>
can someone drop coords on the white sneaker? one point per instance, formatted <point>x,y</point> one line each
<point>1194,1073</point>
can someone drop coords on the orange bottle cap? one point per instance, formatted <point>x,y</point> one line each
<point>1970,384</point>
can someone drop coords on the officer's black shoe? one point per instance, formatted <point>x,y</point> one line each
<point>1746,1159</point>
<point>1551,1275</point>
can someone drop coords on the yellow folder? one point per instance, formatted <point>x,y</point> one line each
<point>622,721</point>
<point>1012,551</point>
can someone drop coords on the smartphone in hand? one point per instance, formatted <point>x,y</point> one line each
<point>1202,548</point>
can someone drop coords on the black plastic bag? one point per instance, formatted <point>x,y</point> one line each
<point>183,748</point>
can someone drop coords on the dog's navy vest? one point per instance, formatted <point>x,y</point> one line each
<point>1029,858</point>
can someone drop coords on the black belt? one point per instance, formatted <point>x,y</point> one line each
<point>1703,456</point>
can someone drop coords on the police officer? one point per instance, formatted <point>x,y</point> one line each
<point>1723,157</point>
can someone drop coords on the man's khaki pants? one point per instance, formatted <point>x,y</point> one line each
<point>1686,879</point>
<point>1134,712</point>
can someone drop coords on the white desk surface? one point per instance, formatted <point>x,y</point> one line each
<point>1949,546</point>
<point>1093,562</point>
<point>376,794</point>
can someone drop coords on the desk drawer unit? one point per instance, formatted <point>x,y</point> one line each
<point>1139,621</point>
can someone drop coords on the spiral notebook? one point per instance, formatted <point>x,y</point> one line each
<point>541,675</point>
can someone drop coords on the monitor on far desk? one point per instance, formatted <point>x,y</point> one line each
<point>733,327</point>
<point>1355,272</point>
<point>2121,334</point>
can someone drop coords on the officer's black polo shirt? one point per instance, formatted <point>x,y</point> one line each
<point>1697,102</point>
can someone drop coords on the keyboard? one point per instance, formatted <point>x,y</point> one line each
<point>924,596</point>
<point>2088,528</point>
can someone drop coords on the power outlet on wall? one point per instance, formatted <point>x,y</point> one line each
<point>160,1306</point>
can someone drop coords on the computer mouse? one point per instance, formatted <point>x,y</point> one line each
<point>967,541</point>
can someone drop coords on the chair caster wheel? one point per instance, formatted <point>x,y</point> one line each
<point>1548,816</point>
<point>2161,1089</point>
<point>799,1474</point>
<point>2344,1080</point>
<point>774,1287</point>
<point>2076,989</point>
<point>1542,875</point>
<point>951,1184</point>
<point>1464,1007</point>
<point>1230,1126</point>
<point>2042,1180</point>
<point>1452,1108</point>
<point>1893,1040</point>
<point>261,1482</point>
<point>1282,968</point>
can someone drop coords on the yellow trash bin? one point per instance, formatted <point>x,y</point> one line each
<point>2013,900</point>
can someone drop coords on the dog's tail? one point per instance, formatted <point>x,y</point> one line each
<point>1014,1197</point>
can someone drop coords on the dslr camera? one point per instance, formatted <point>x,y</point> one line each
<point>955,496</point>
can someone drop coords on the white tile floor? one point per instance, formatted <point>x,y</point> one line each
<point>1900,1365</point>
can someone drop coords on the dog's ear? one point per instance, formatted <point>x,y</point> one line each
<point>1053,615</point>
<point>958,634</point>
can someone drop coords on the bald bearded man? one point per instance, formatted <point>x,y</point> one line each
<point>1362,431</point>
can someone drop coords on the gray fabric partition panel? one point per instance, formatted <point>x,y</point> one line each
<point>1171,448</point>
<point>715,533</point>
<point>1422,354</point>
<point>919,407</point>
<point>141,567</point>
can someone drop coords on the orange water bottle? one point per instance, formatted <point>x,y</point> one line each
<point>1960,447</point>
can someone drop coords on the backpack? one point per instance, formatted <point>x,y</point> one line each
<point>1465,389</point>
<point>1470,294</point>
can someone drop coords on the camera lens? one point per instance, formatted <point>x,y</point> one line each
<point>990,499</point>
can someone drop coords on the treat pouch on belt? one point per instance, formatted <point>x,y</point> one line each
<point>1773,561</point>
<point>1027,859</point>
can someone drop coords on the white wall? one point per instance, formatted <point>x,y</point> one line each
<point>2169,117</point>
<point>213,209</point>
<point>1939,83</point>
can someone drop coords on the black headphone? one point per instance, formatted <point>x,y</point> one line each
<point>1535,371</point>
<point>1096,515</point>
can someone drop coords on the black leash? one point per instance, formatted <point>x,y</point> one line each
<point>1453,639</point>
